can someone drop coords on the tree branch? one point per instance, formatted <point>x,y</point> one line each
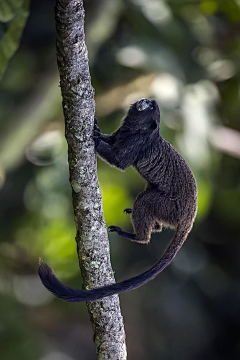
<point>92,238</point>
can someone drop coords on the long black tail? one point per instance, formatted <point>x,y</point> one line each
<point>62,291</point>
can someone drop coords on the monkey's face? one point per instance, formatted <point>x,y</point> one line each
<point>144,104</point>
<point>144,114</point>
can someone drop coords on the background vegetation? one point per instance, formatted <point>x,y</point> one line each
<point>184,54</point>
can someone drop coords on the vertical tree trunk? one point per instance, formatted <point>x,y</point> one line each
<point>92,238</point>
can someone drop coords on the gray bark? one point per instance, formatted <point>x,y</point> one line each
<point>92,238</point>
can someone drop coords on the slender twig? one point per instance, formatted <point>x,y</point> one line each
<point>92,238</point>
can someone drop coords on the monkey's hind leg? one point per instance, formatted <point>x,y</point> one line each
<point>141,235</point>
<point>142,224</point>
<point>142,221</point>
<point>122,233</point>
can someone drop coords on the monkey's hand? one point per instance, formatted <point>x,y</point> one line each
<point>109,139</point>
<point>96,139</point>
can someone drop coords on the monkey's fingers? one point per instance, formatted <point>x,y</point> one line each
<point>97,132</point>
<point>96,139</point>
<point>96,127</point>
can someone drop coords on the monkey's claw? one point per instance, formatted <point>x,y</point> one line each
<point>97,132</point>
<point>96,139</point>
<point>96,127</point>
<point>114,229</point>
<point>127,211</point>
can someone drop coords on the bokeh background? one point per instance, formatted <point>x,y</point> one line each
<point>185,54</point>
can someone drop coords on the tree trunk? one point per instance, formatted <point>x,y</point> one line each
<point>92,238</point>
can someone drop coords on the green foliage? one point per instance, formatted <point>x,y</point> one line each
<point>209,7</point>
<point>10,40</point>
<point>228,214</point>
<point>16,330</point>
<point>115,200</point>
<point>8,9</point>
<point>204,197</point>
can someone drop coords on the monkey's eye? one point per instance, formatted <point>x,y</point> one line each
<point>143,104</point>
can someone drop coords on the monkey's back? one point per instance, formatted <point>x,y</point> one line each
<point>165,169</point>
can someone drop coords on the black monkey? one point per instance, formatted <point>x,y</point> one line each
<point>170,197</point>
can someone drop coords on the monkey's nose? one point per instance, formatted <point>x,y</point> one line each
<point>143,104</point>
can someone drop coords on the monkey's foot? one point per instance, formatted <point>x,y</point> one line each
<point>114,229</point>
<point>127,211</point>
<point>122,233</point>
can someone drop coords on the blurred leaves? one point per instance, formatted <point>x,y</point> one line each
<point>15,329</point>
<point>10,40</point>
<point>115,200</point>
<point>209,7</point>
<point>42,105</point>
<point>205,194</point>
<point>8,9</point>
<point>227,213</point>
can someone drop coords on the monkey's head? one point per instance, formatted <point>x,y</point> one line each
<point>144,116</point>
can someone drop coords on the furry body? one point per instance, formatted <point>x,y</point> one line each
<point>170,198</point>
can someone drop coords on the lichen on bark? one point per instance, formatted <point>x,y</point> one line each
<point>91,238</point>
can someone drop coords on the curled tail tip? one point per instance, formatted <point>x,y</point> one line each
<point>44,269</point>
<point>51,283</point>
<point>48,278</point>
<point>40,262</point>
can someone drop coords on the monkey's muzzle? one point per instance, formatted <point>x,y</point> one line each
<point>144,104</point>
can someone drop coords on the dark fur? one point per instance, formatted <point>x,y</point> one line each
<point>170,198</point>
